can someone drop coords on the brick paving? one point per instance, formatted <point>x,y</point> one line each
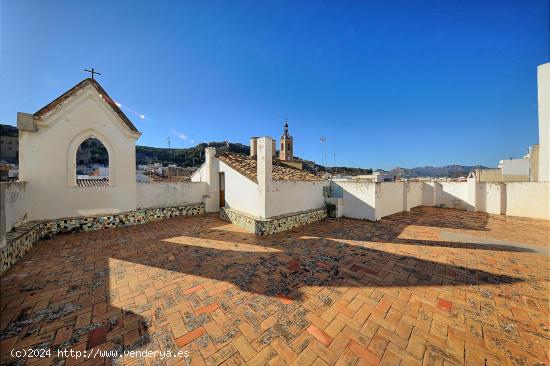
<point>338,292</point>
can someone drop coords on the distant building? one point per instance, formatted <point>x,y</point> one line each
<point>142,178</point>
<point>488,175</point>
<point>378,176</point>
<point>525,169</point>
<point>9,144</point>
<point>101,172</point>
<point>514,170</point>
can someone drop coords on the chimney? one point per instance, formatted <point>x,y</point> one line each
<point>263,172</point>
<point>212,199</point>
<point>264,159</point>
<point>253,146</point>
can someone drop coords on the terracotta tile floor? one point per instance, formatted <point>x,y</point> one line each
<point>336,292</point>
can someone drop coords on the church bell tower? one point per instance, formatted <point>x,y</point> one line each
<point>287,145</point>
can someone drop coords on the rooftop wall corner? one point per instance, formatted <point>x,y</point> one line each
<point>26,122</point>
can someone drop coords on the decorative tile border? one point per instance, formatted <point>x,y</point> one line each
<point>273,225</point>
<point>19,241</point>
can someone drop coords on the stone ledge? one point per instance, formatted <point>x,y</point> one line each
<point>20,240</point>
<point>272,225</point>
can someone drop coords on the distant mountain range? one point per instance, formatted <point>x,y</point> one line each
<point>194,156</point>
<point>452,171</point>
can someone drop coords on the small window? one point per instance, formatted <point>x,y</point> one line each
<point>92,164</point>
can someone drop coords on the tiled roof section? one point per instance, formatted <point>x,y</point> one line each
<point>88,183</point>
<point>246,165</point>
<point>69,93</point>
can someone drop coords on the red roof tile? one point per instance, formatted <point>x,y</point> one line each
<point>246,165</point>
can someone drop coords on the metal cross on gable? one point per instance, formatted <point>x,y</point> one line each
<point>92,71</point>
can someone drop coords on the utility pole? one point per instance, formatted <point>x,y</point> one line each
<point>324,142</point>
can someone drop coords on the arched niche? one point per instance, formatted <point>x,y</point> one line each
<point>72,151</point>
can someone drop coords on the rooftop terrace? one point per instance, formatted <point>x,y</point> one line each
<point>430,286</point>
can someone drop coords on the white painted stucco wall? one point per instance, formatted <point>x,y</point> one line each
<point>373,201</point>
<point>543,80</point>
<point>241,193</point>
<point>287,197</point>
<point>420,194</point>
<point>14,205</point>
<point>515,169</point>
<point>200,174</point>
<point>428,194</point>
<point>47,160</point>
<point>491,197</point>
<point>415,194</point>
<point>390,198</point>
<point>452,195</point>
<point>528,199</point>
<point>169,194</point>
<point>358,198</point>
<point>209,174</point>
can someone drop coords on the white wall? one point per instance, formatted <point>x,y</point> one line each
<point>287,197</point>
<point>419,194</point>
<point>452,195</point>
<point>491,198</point>
<point>543,79</point>
<point>169,194</point>
<point>200,174</point>
<point>528,199</point>
<point>415,194</point>
<point>14,205</point>
<point>373,201</point>
<point>47,160</point>
<point>515,169</point>
<point>358,197</point>
<point>391,197</point>
<point>209,174</point>
<point>241,193</point>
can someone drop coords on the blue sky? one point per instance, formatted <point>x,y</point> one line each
<point>389,83</point>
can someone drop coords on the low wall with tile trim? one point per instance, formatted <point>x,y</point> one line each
<point>19,241</point>
<point>273,225</point>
